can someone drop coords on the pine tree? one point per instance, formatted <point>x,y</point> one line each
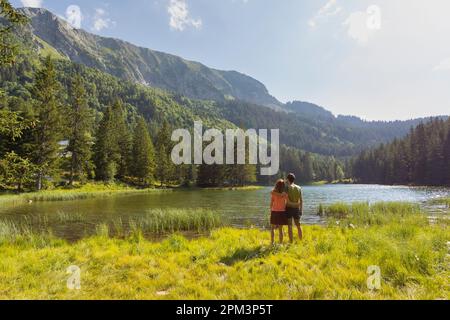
<point>143,153</point>
<point>446,151</point>
<point>113,145</point>
<point>165,167</point>
<point>419,147</point>
<point>11,123</point>
<point>48,130</point>
<point>124,139</point>
<point>80,122</point>
<point>107,151</point>
<point>308,170</point>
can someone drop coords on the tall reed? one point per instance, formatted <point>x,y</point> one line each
<point>174,220</point>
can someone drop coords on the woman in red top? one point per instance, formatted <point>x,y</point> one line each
<point>278,217</point>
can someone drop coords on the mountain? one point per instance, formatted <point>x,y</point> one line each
<point>312,128</point>
<point>309,110</point>
<point>146,66</point>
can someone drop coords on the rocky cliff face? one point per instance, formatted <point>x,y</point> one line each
<point>150,67</point>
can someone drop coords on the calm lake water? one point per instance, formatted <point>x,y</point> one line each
<point>240,208</point>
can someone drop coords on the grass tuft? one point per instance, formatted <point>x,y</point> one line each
<point>160,221</point>
<point>441,201</point>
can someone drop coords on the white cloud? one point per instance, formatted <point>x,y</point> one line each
<point>330,9</point>
<point>357,27</point>
<point>101,20</point>
<point>180,17</point>
<point>444,65</point>
<point>401,67</point>
<point>361,25</point>
<point>74,16</point>
<point>32,3</point>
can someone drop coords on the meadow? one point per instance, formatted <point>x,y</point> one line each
<point>330,263</point>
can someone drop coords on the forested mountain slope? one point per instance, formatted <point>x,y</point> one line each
<point>157,69</point>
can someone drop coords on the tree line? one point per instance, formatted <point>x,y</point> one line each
<point>421,158</point>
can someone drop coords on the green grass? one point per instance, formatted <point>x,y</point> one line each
<point>90,190</point>
<point>330,263</point>
<point>48,50</point>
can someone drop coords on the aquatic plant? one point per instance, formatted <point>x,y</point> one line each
<point>175,220</point>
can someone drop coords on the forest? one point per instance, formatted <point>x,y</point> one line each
<point>422,158</point>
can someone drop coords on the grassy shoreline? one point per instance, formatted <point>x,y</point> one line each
<point>95,190</point>
<point>90,190</point>
<point>244,188</point>
<point>331,262</point>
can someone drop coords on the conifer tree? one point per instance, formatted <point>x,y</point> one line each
<point>446,152</point>
<point>11,123</point>
<point>143,153</point>
<point>113,144</point>
<point>80,122</point>
<point>165,167</point>
<point>48,129</point>
<point>124,139</point>
<point>107,152</point>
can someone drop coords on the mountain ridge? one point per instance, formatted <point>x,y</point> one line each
<point>146,66</point>
<point>165,71</point>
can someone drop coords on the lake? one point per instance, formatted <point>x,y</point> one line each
<point>240,208</point>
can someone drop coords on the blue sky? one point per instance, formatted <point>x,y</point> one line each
<point>378,59</point>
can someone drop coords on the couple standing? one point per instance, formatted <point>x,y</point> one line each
<point>287,207</point>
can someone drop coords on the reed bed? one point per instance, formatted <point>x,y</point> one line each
<point>363,213</point>
<point>65,217</point>
<point>160,221</point>
<point>441,201</point>
<point>153,222</point>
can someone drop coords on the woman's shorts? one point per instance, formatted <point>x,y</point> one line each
<point>278,218</point>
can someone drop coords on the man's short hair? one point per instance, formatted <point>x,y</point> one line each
<point>291,177</point>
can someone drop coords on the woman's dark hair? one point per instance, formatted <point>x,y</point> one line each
<point>279,186</point>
